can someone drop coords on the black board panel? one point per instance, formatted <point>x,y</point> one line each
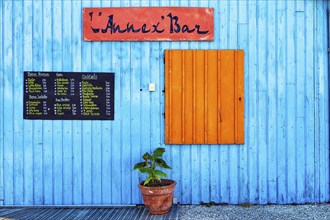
<point>69,95</point>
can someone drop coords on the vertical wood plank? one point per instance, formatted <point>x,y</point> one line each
<point>57,125</point>
<point>224,24</point>
<point>240,97</point>
<point>146,95</point>
<point>138,88</point>
<point>291,107</point>
<point>1,105</point>
<point>96,132</point>
<point>205,96</point>
<point>227,96</point>
<point>317,131</point>
<point>199,97</point>
<point>194,95</point>
<point>188,97</point>
<point>309,102</point>
<point>272,102</point>
<point>48,128</point>
<point>252,105</point>
<point>8,151</point>
<point>261,101</point>
<point>176,98</point>
<point>126,119</point>
<point>322,121</point>
<point>126,141</point>
<point>219,119</point>
<point>28,125</point>
<point>281,59</point>
<point>67,125</point>
<point>86,59</point>
<point>212,90</point>
<point>77,194</point>
<point>37,55</point>
<point>116,190</point>
<point>262,146</point>
<point>300,70</point>
<point>235,95</point>
<point>183,94</point>
<point>106,128</point>
<point>156,76</point>
<point>167,59</point>
<point>300,7</point>
<point>18,83</point>
<point>325,129</point>
<point>233,20</point>
<point>242,14</point>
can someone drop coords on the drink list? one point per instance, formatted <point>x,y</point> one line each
<point>68,96</point>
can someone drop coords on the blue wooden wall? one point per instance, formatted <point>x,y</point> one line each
<point>285,158</point>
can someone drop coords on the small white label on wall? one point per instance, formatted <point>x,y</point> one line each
<point>152,87</point>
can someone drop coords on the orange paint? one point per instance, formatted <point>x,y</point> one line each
<point>148,24</point>
<point>199,91</point>
<point>227,96</point>
<point>212,101</point>
<point>204,96</point>
<point>240,96</point>
<point>188,96</point>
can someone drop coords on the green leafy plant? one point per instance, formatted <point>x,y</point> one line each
<point>149,166</point>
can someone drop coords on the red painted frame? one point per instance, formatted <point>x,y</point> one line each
<point>148,24</point>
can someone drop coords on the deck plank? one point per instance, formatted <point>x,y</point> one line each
<point>80,213</point>
<point>21,213</point>
<point>107,213</point>
<point>8,211</point>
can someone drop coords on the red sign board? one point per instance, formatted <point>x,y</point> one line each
<point>148,24</point>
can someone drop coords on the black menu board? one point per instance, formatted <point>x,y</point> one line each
<point>69,96</point>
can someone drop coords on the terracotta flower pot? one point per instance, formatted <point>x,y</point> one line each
<point>158,200</point>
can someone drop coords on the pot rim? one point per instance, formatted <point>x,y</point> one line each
<point>173,182</point>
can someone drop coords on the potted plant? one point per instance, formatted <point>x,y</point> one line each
<point>157,193</point>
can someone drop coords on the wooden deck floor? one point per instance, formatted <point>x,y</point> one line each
<point>93,213</point>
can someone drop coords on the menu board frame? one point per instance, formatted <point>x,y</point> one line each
<point>68,95</point>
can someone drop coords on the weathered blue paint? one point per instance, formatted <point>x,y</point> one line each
<point>285,158</point>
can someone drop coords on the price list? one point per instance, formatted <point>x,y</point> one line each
<point>68,96</point>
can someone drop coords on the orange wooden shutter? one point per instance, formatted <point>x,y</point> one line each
<point>204,96</point>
